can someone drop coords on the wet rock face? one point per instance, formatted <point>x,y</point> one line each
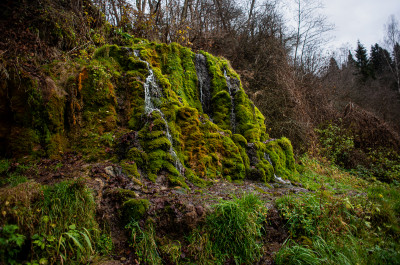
<point>233,84</point>
<point>233,87</point>
<point>252,154</point>
<point>204,83</point>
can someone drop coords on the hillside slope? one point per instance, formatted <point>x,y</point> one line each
<point>94,146</point>
<point>157,107</point>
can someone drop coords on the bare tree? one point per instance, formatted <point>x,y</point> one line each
<point>311,34</point>
<point>392,41</point>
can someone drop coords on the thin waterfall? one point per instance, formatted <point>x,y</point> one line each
<point>152,92</point>
<point>278,179</point>
<point>204,83</point>
<point>231,91</point>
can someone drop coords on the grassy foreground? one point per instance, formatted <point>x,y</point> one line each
<point>338,219</point>
<point>345,220</point>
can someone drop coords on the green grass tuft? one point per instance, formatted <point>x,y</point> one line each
<point>232,231</point>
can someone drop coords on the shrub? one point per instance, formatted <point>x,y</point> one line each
<point>337,144</point>
<point>10,244</point>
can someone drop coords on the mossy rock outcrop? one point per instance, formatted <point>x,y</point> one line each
<point>161,108</point>
<point>134,209</point>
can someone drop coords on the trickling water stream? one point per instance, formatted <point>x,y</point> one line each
<point>153,93</point>
<point>278,179</point>
<point>231,90</point>
<point>204,80</point>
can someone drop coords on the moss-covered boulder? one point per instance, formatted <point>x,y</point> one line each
<point>134,209</point>
<point>157,109</point>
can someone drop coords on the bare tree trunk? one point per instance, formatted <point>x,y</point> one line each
<point>220,14</point>
<point>298,31</point>
<point>139,5</point>
<point>251,11</point>
<point>392,39</point>
<point>155,6</point>
<point>116,17</point>
<point>144,6</point>
<point>184,10</point>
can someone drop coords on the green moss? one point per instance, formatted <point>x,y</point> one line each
<point>92,117</point>
<point>124,195</point>
<point>55,109</point>
<point>27,130</point>
<point>221,103</point>
<point>282,157</point>
<point>140,157</point>
<point>239,140</point>
<point>208,149</point>
<point>286,146</point>
<point>22,141</point>
<point>112,52</point>
<point>158,155</point>
<point>134,209</point>
<point>160,143</point>
<point>131,169</point>
<point>196,180</point>
<point>57,145</point>
<point>96,87</point>
<point>267,171</point>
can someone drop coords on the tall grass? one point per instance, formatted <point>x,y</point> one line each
<point>359,227</point>
<point>67,228</point>
<point>232,231</point>
<point>57,221</point>
<point>321,252</point>
<point>143,241</point>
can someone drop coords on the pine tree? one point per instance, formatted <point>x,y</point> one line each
<point>376,60</point>
<point>362,61</point>
<point>333,65</point>
<point>350,60</point>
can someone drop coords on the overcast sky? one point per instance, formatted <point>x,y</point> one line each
<point>360,19</point>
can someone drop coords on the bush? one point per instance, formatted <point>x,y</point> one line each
<point>337,144</point>
<point>10,244</point>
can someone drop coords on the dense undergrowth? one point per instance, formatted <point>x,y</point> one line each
<point>346,220</point>
<point>48,224</point>
<point>342,219</point>
<point>370,154</point>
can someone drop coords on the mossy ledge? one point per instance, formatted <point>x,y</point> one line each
<point>101,112</point>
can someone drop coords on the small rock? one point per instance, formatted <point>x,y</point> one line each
<point>199,210</point>
<point>136,187</point>
<point>190,207</point>
<point>110,171</point>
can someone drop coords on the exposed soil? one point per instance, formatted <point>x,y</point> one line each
<point>174,210</point>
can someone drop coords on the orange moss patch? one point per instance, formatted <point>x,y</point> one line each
<point>82,77</point>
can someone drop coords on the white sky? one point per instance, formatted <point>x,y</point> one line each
<point>362,20</point>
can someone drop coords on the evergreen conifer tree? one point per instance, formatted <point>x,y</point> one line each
<point>362,62</point>
<point>350,60</point>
